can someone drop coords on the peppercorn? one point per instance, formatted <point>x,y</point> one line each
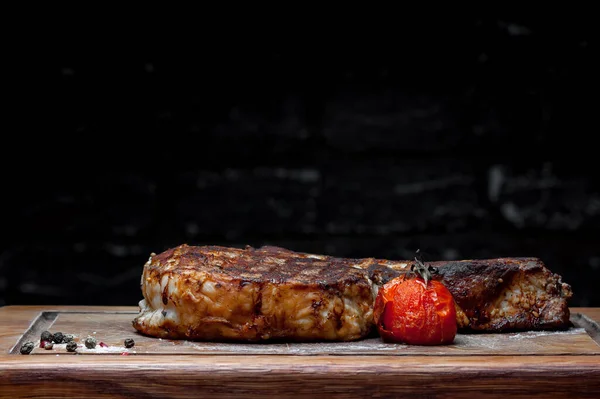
<point>47,336</point>
<point>48,345</point>
<point>68,338</point>
<point>58,338</point>
<point>90,342</point>
<point>129,343</point>
<point>27,348</point>
<point>71,346</point>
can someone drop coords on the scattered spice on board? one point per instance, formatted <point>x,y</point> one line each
<point>68,338</point>
<point>129,343</point>
<point>58,338</point>
<point>44,343</point>
<point>71,346</point>
<point>27,348</point>
<point>103,345</point>
<point>90,342</point>
<point>47,336</point>
<point>49,345</point>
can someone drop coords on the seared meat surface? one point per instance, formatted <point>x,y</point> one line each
<point>269,293</point>
<point>502,294</point>
<point>215,293</point>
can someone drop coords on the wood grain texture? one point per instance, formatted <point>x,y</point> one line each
<point>185,375</point>
<point>14,320</point>
<point>592,313</point>
<point>113,328</point>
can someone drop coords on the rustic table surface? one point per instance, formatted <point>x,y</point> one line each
<point>528,364</point>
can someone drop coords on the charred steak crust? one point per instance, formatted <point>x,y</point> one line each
<point>506,294</point>
<point>270,293</point>
<point>217,293</point>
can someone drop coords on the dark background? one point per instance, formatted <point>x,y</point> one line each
<point>470,137</point>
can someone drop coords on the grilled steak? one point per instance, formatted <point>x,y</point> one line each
<point>216,293</point>
<point>270,293</point>
<point>494,295</point>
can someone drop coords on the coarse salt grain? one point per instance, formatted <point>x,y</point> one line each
<point>100,349</point>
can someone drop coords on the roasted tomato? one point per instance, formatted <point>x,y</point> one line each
<point>416,310</point>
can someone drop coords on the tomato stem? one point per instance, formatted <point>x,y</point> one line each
<point>424,271</point>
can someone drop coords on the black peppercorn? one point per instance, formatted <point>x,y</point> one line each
<point>58,338</point>
<point>48,345</point>
<point>90,342</point>
<point>27,348</point>
<point>71,346</point>
<point>47,336</point>
<point>129,343</point>
<point>68,338</point>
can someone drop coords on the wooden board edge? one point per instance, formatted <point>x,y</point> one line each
<point>46,319</point>
<point>323,376</point>
<point>592,328</point>
<point>16,319</point>
<point>33,314</point>
<point>592,313</point>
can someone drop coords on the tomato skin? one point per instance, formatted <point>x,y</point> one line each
<point>412,312</point>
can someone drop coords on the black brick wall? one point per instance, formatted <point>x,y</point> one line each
<point>469,138</point>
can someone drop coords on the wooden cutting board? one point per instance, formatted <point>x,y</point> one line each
<point>538,364</point>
